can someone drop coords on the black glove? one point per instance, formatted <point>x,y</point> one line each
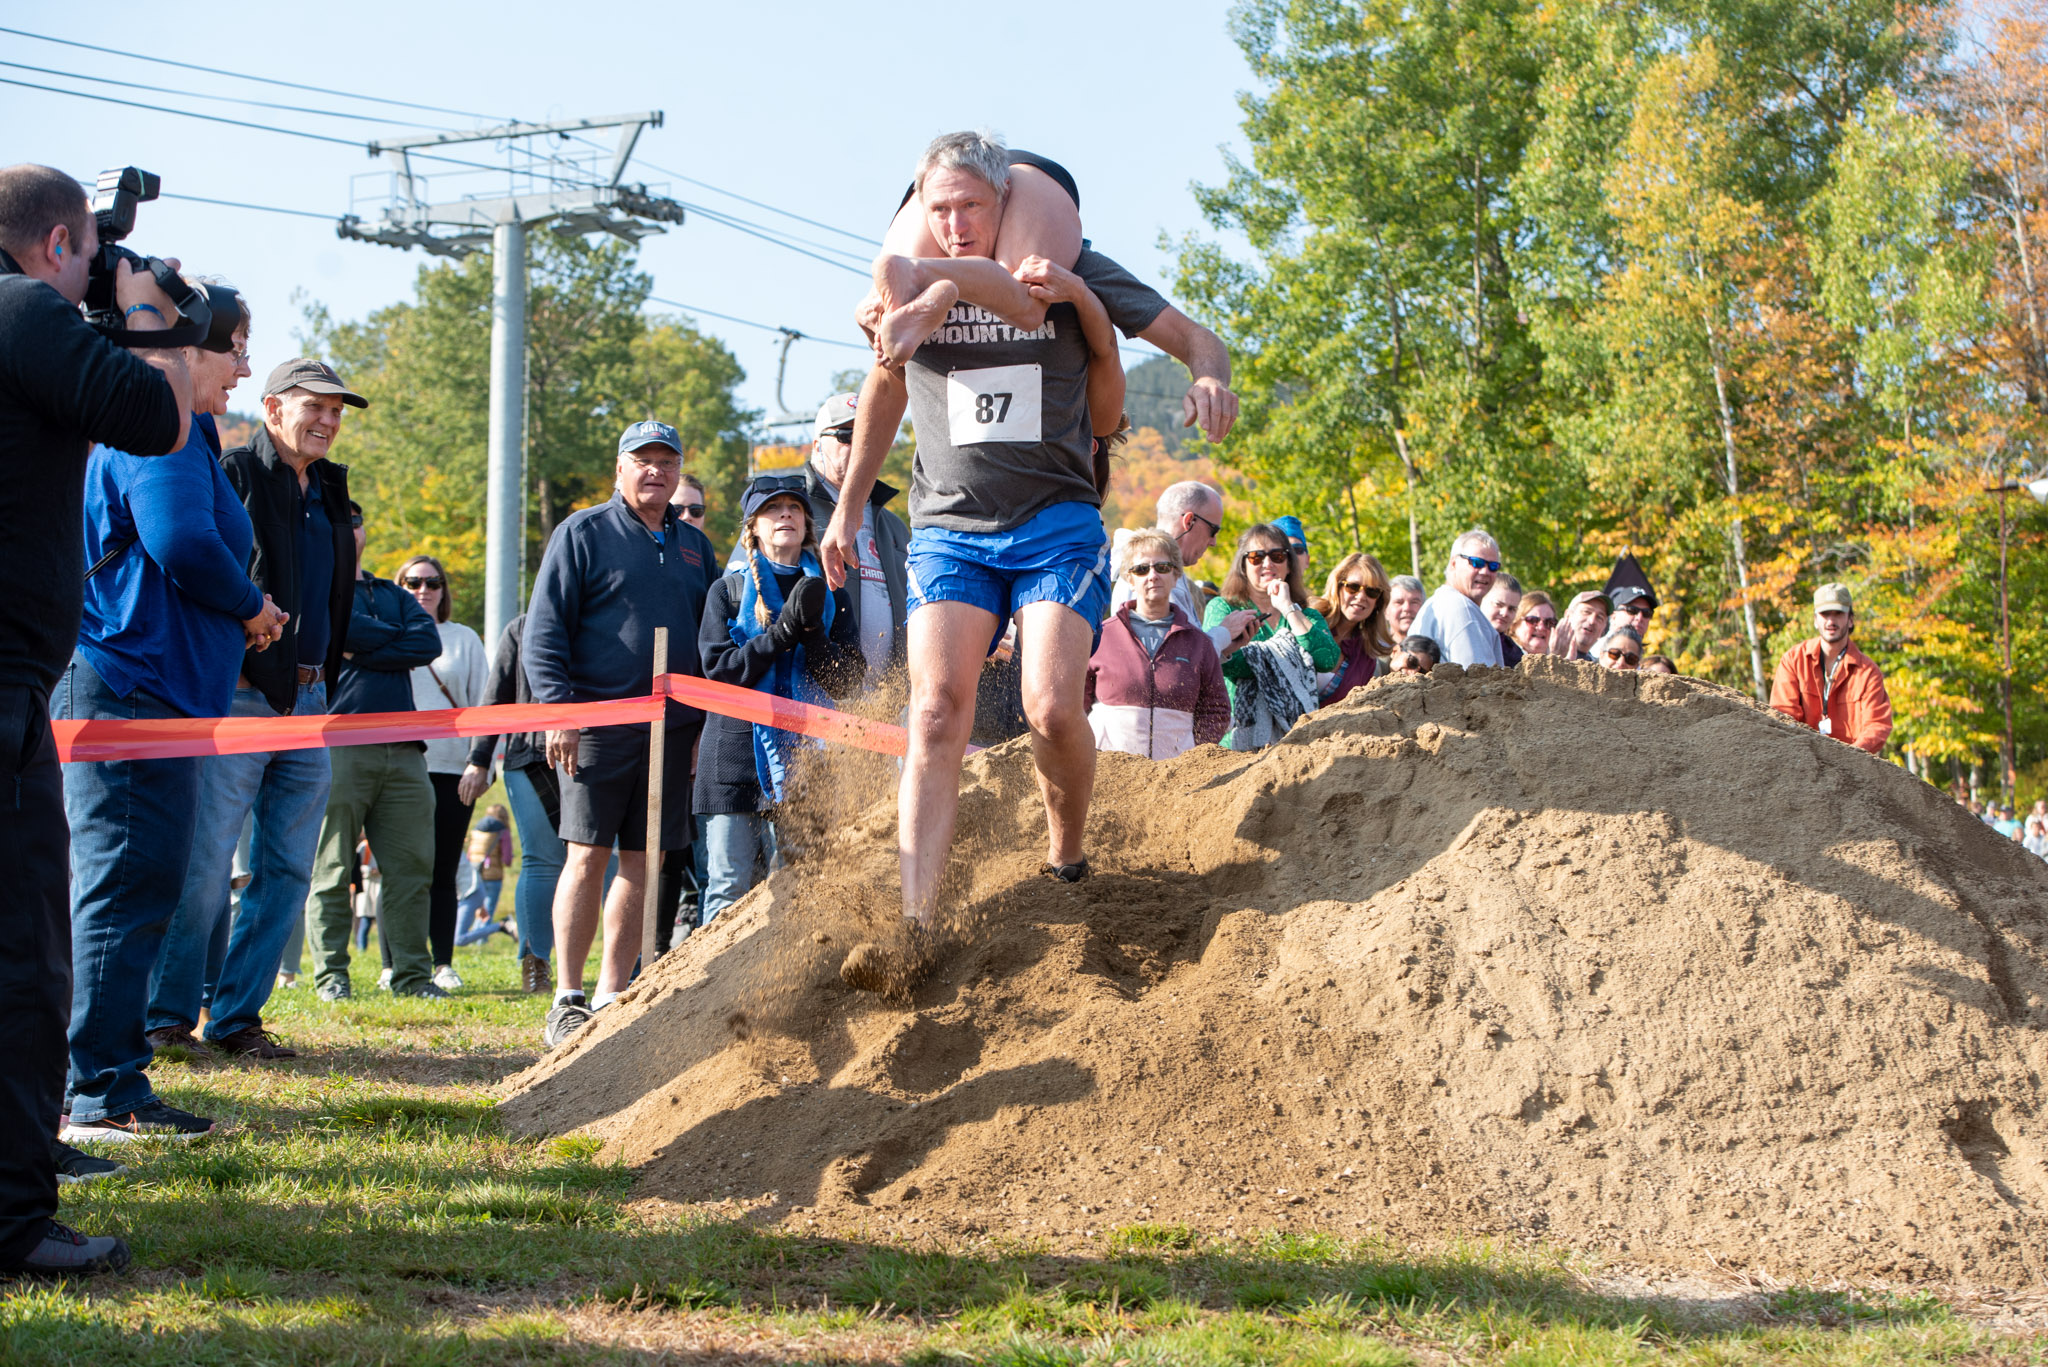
<point>803,612</point>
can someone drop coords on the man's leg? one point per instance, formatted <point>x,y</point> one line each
<point>400,827</point>
<point>328,913</point>
<point>1053,643</point>
<point>625,906</point>
<point>131,824</point>
<point>947,643</point>
<point>577,912</point>
<point>291,810</point>
<point>228,785</point>
<point>35,972</point>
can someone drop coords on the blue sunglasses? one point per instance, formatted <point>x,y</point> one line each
<point>1480,563</point>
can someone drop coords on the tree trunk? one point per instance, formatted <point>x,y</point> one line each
<point>1735,539</point>
<point>1408,473</point>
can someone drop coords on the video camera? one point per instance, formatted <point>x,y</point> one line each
<point>206,324</point>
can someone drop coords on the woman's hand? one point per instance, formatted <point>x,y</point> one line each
<point>475,778</point>
<point>1049,282</point>
<point>1280,596</point>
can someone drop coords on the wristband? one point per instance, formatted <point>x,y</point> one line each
<point>134,309</point>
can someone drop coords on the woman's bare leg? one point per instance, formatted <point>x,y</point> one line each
<point>1039,219</point>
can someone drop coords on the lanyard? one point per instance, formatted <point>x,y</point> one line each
<point>1827,677</point>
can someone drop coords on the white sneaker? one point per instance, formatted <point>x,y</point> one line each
<point>447,979</point>
<point>384,980</point>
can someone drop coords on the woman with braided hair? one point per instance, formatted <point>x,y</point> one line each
<point>771,624</point>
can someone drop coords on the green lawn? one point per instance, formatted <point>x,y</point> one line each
<point>366,1208</point>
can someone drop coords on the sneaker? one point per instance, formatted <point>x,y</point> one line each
<point>384,980</point>
<point>431,991</point>
<point>76,1165</point>
<point>336,991</point>
<point>564,1020</point>
<point>447,979</point>
<point>253,1041</point>
<point>178,1037</point>
<point>64,1252</point>
<point>154,1119</point>
<point>891,970</point>
<point>533,973</point>
<point>1067,873</point>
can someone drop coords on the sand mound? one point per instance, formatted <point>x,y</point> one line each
<point>1617,960</point>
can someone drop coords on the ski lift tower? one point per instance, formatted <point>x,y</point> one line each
<point>576,189</point>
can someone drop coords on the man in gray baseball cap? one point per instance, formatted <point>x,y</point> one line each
<point>315,377</point>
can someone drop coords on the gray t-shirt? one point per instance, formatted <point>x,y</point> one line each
<point>1002,415</point>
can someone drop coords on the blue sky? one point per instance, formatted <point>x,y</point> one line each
<point>816,108</point>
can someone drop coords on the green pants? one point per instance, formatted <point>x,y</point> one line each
<point>382,792</point>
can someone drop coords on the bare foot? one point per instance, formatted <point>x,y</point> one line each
<point>897,280</point>
<point>869,314</point>
<point>904,331</point>
<point>891,970</point>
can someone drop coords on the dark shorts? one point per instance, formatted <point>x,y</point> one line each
<point>1046,164</point>
<point>606,800</point>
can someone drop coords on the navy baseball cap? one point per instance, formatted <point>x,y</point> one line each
<point>766,487</point>
<point>650,433</point>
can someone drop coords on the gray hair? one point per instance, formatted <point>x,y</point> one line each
<point>1617,634</point>
<point>1408,582</point>
<point>979,153</point>
<point>1188,496</point>
<point>1466,540</point>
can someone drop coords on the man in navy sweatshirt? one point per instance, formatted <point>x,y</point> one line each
<point>62,388</point>
<point>612,574</point>
<point>379,791</point>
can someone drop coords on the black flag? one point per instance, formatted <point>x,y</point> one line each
<point>1628,574</point>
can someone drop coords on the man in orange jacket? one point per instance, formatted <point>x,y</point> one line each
<point>1830,685</point>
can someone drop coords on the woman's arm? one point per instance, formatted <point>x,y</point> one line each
<point>1212,702</point>
<point>1056,284</point>
<point>1236,667</point>
<point>171,500</point>
<point>1317,641</point>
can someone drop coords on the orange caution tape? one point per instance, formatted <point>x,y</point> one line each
<point>187,737</point>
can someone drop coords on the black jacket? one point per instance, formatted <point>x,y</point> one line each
<point>726,780</point>
<point>508,685</point>
<point>389,636</point>
<point>269,489</point>
<point>892,548</point>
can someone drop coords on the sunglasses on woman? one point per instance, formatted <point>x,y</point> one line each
<point>1541,621</point>
<point>1366,589</point>
<point>1276,556</point>
<point>1622,657</point>
<point>1151,567</point>
<point>421,581</point>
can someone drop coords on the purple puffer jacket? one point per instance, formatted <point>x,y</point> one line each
<point>1159,706</point>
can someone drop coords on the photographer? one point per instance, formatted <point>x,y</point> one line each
<point>62,387</point>
<point>169,610</point>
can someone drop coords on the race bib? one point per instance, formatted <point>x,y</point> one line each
<point>1000,403</point>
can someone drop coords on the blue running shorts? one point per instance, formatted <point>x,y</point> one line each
<point>1059,556</point>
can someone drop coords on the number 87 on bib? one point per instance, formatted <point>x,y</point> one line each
<point>1000,403</point>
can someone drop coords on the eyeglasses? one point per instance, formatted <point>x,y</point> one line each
<point>1621,657</point>
<point>1541,621</point>
<point>667,467</point>
<point>1215,528</point>
<point>1276,556</point>
<point>842,435</point>
<point>1480,562</point>
<point>691,509</point>
<point>1151,567</point>
<point>1637,609</point>
<point>1366,589</point>
<point>423,582</point>
<point>1298,547</point>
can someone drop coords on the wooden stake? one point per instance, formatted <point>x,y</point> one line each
<point>657,748</point>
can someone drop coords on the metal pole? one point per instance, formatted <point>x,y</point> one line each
<point>657,752</point>
<point>504,503</point>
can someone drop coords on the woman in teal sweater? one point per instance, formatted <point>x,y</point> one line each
<point>1263,579</point>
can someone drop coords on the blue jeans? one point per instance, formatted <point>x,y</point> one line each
<point>131,839</point>
<point>540,866</point>
<point>287,790</point>
<point>738,844</point>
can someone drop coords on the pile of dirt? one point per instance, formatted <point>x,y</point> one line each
<point>1617,960</point>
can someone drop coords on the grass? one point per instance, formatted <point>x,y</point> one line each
<point>367,1208</point>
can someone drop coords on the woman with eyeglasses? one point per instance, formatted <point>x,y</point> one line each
<point>1620,648</point>
<point>1354,603</point>
<point>1535,623</point>
<point>456,679</point>
<point>1272,679</point>
<point>1155,687</point>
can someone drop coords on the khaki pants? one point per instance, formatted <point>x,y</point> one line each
<point>382,792</point>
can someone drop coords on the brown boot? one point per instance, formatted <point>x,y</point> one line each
<point>533,973</point>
